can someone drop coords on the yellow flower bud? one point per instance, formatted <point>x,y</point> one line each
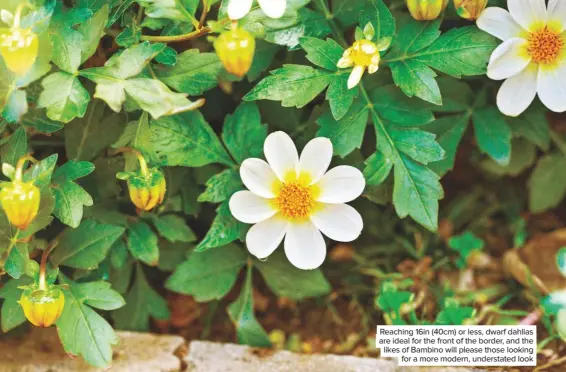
<point>147,192</point>
<point>20,201</point>
<point>426,10</point>
<point>235,49</point>
<point>19,49</point>
<point>361,55</point>
<point>42,307</point>
<point>470,9</point>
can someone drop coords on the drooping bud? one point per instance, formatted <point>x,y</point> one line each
<point>235,49</point>
<point>426,10</point>
<point>20,201</point>
<point>147,191</point>
<point>470,9</point>
<point>19,46</point>
<point>42,307</point>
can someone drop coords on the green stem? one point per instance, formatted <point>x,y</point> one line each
<point>323,7</point>
<point>177,38</point>
<point>558,141</point>
<point>20,166</point>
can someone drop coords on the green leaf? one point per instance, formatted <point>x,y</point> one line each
<point>17,261</point>
<point>243,132</point>
<point>416,192</point>
<point>82,331</point>
<point>291,27</point>
<point>221,186</point>
<point>225,229</point>
<point>293,85</point>
<point>533,126</point>
<point>417,144</point>
<point>173,228</point>
<point>37,120</point>
<point>16,106</point>
<point>99,295</point>
<point>15,147</point>
<point>322,53</point>
<point>142,301</point>
<point>177,10</point>
<point>285,280</point>
<point>63,96</point>
<point>86,138</point>
<point>69,196</point>
<point>554,302</point>
<point>92,31</point>
<point>347,133</point>
<point>86,246</point>
<point>493,134</point>
<point>194,72</point>
<point>137,134</point>
<point>413,37</point>
<point>186,139</point>
<point>380,17</point>
<point>67,48</point>
<point>449,131</point>
<point>42,171</point>
<point>208,275</point>
<point>465,244</point>
<point>454,315</point>
<point>12,314</point>
<point>394,106</point>
<point>339,96</point>
<point>143,243</point>
<point>547,184</point>
<point>241,311</point>
<point>416,79</point>
<point>378,167</point>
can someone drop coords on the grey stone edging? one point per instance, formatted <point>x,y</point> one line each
<point>40,351</point>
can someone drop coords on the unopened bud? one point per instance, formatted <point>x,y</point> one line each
<point>235,49</point>
<point>20,201</point>
<point>470,9</point>
<point>42,307</point>
<point>426,10</point>
<point>147,191</point>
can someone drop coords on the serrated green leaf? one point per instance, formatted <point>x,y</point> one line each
<point>99,295</point>
<point>16,263</point>
<point>221,186</point>
<point>285,280</point>
<point>377,168</point>
<point>177,10</point>
<point>12,314</point>
<point>174,228</point>
<point>449,131</point>
<point>380,17</point>
<point>493,134</point>
<point>143,243</point>
<point>194,72</point>
<point>142,301</point>
<point>418,144</point>
<point>339,97</point>
<point>347,133</point>
<point>416,79</point>
<point>225,229</point>
<point>547,184</point>
<point>83,332</point>
<point>293,85</point>
<point>241,311</point>
<point>208,275</point>
<point>322,53</point>
<point>92,31</point>
<point>394,106</point>
<point>69,196</point>
<point>15,147</point>
<point>186,139</point>
<point>243,132</point>
<point>42,171</point>
<point>86,246</point>
<point>63,96</point>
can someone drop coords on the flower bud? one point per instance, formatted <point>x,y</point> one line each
<point>470,9</point>
<point>361,55</point>
<point>235,49</point>
<point>42,307</point>
<point>19,49</point>
<point>426,10</point>
<point>20,201</point>
<point>147,191</point>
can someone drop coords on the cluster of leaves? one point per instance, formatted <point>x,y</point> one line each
<point>110,74</point>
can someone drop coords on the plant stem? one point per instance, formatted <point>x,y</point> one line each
<point>143,163</point>
<point>323,7</point>
<point>20,166</point>
<point>43,264</point>
<point>177,38</point>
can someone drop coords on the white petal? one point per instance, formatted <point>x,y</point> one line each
<point>518,92</point>
<point>264,237</point>
<point>341,185</point>
<point>258,177</point>
<point>355,76</point>
<point>345,62</point>
<point>551,87</point>
<point>339,222</point>
<point>528,13</point>
<point>250,208</point>
<point>281,154</point>
<point>304,246</point>
<point>508,59</point>
<point>273,8</point>
<point>239,8</point>
<point>557,13</point>
<point>316,157</point>
<point>499,23</point>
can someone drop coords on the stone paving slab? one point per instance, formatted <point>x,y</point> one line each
<point>40,351</point>
<point>207,356</point>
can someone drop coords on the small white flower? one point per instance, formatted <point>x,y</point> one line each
<point>296,198</point>
<point>238,9</point>
<point>532,56</point>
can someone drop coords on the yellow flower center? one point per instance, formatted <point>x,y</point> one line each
<point>296,199</point>
<point>363,53</point>
<point>544,46</point>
